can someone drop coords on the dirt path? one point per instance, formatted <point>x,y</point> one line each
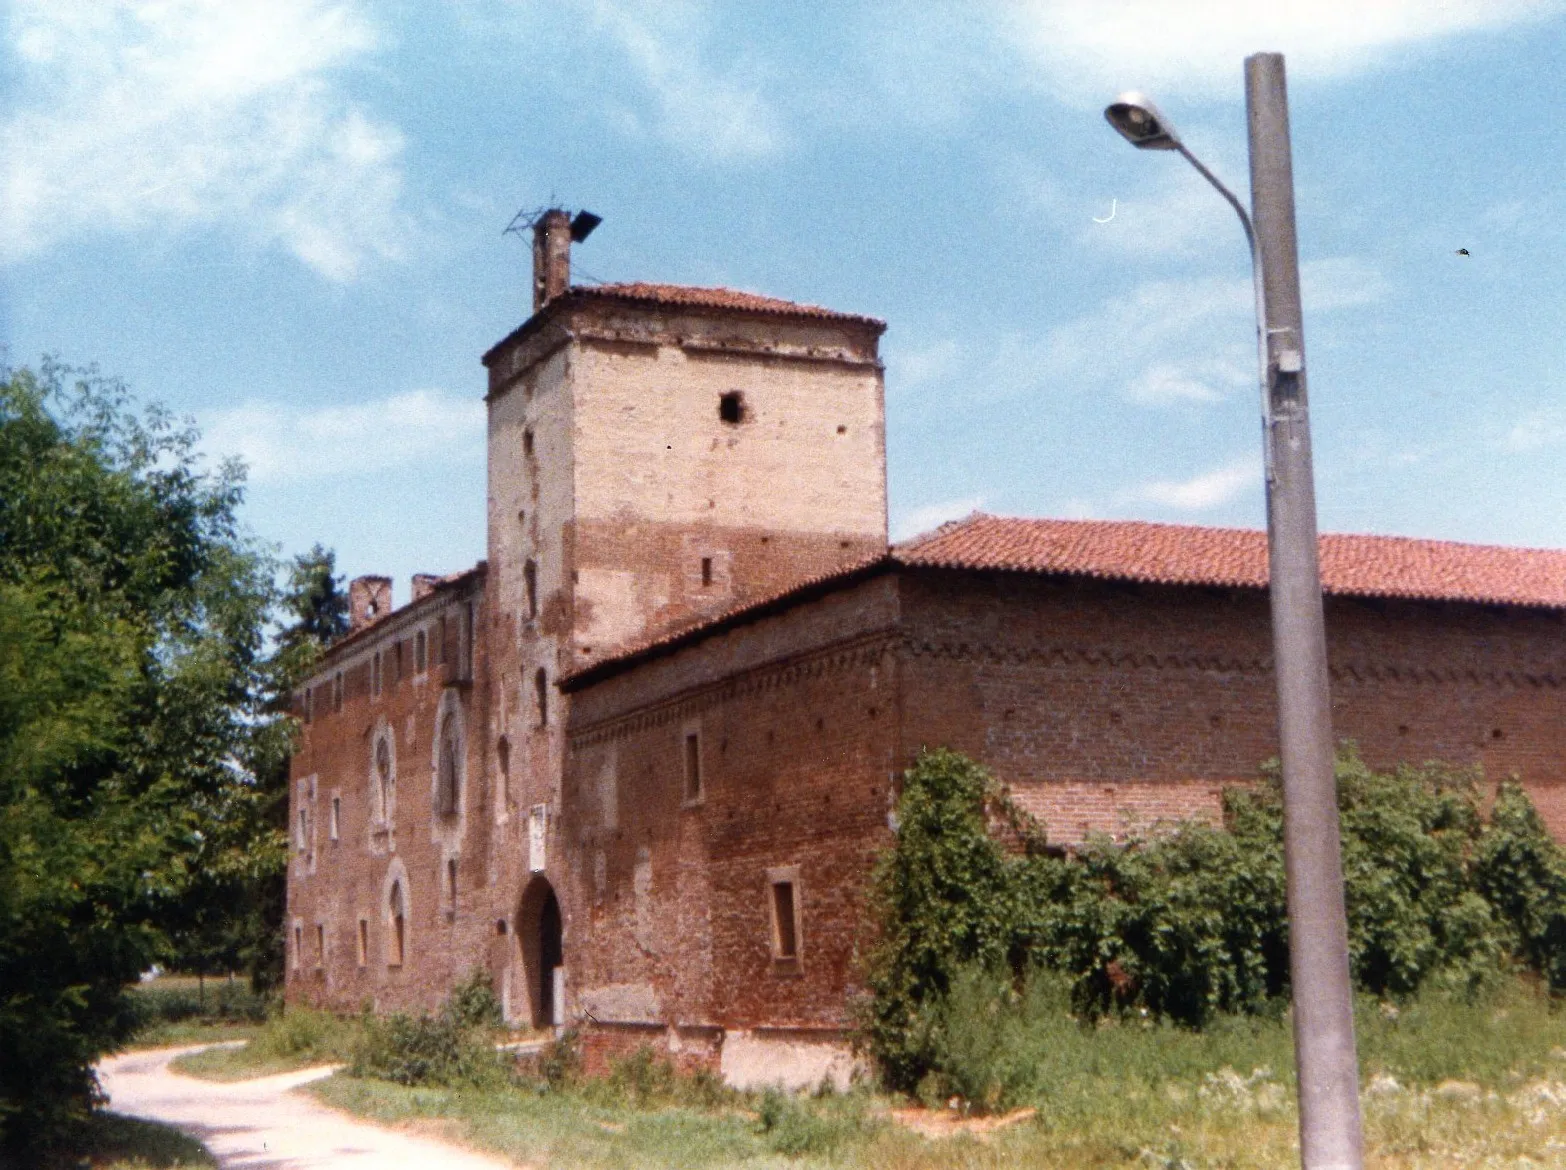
<point>261,1125</point>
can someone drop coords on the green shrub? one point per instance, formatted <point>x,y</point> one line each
<point>473,1002</point>
<point>1186,924</point>
<point>1521,874</point>
<point>453,1047</point>
<point>221,1003</point>
<point>793,1129</point>
<point>944,898</point>
<point>559,1065</point>
<point>302,1034</point>
<point>647,1078</point>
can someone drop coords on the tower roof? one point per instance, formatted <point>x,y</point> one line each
<point>690,296</point>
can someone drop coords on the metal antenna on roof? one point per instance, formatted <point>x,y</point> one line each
<point>582,223</point>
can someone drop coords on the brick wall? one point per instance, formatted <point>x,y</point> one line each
<point>669,896</point>
<point>1108,706</point>
<point>1105,706</point>
<point>333,884</point>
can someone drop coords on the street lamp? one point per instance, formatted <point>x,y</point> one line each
<point>1318,930</point>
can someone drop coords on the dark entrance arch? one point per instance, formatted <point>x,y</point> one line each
<point>538,934</point>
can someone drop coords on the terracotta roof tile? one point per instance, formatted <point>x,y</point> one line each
<point>714,298</point>
<point>1171,554</point>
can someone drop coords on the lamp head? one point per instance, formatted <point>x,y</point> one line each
<point>1141,124</point>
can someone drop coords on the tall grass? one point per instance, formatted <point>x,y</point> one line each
<point>294,1039</point>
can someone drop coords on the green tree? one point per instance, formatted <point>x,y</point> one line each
<point>315,601</point>
<point>133,687</point>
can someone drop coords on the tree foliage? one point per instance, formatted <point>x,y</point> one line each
<point>133,683</point>
<point>1191,922</point>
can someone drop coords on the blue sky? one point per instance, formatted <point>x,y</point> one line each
<point>284,217</point>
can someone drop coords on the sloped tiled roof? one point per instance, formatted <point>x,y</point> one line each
<point>714,298</point>
<point>1170,554</point>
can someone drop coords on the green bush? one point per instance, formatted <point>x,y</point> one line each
<point>221,1003</point>
<point>559,1065</point>
<point>1183,925</point>
<point>794,1129</point>
<point>305,1034</point>
<point>453,1047</point>
<point>473,1002</point>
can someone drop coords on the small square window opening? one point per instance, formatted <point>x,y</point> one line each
<point>731,407</point>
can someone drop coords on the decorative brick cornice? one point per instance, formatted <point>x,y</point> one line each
<point>862,650</point>
<point>1347,672</point>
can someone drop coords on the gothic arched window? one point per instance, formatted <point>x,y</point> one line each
<point>446,770</point>
<point>385,781</point>
<point>397,921</point>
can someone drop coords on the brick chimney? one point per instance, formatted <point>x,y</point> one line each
<point>551,257</point>
<point>369,600</point>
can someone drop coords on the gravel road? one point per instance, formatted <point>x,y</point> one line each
<point>262,1125</point>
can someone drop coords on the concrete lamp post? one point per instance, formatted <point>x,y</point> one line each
<point>1318,931</point>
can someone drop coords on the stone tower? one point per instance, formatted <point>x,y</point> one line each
<point>657,454</point>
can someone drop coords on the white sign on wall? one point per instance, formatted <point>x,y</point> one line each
<point>537,822</point>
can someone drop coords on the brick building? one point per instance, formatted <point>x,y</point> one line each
<point>637,763</point>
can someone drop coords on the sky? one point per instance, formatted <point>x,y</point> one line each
<point>284,219</point>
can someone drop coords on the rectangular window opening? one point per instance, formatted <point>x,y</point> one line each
<point>420,652</point>
<point>706,572</point>
<point>451,883</point>
<point>530,586</point>
<point>541,687</point>
<point>731,407</point>
<point>298,945</point>
<point>527,441</point>
<point>785,941</point>
<point>692,766</point>
<point>364,942</point>
<point>398,940</point>
<point>337,814</point>
<point>320,945</point>
<point>302,836</point>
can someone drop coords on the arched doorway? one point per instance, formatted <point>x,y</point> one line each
<point>538,932</point>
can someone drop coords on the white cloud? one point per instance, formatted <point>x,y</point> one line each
<point>1173,382</point>
<point>1340,282</point>
<point>715,113</point>
<point>282,445</point>
<point>919,520</point>
<point>1211,489</point>
<point>1179,217</point>
<point>1085,51</point>
<point>916,365</point>
<point>1543,428</point>
<point>143,116</point>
